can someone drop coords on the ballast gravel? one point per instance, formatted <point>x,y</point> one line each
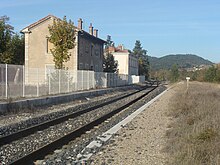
<point>69,154</point>
<point>30,143</point>
<point>141,141</point>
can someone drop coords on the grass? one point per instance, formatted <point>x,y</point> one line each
<point>194,136</point>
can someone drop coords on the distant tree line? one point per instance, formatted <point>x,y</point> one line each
<point>182,60</point>
<point>210,74</point>
<point>11,44</point>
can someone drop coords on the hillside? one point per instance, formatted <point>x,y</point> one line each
<point>182,60</point>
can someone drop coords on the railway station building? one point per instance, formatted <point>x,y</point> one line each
<point>86,55</point>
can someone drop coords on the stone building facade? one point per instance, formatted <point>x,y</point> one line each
<point>86,55</point>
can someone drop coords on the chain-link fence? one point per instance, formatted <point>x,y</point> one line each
<point>11,81</point>
<point>17,81</point>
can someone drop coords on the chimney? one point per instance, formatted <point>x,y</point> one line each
<point>95,32</point>
<point>120,47</point>
<point>90,29</point>
<point>80,23</point>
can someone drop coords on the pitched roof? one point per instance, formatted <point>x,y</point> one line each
<point>52,16</point>
<point>39,22</point>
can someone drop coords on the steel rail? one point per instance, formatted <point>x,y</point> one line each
<point>38,127</point>
<point>58,143</point>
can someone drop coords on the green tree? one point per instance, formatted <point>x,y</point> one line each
<point>218,73</point>
<point>143,63</point>
<point>174,73</point>
<point>143,66</point>
<point>11,44</point>
<point>161,75</point>
<point>210,74</point>
<point>109,63</point>
<point>62,36</point>
<point>109,42</point>
<point>17,48</point>
<point>138,50</point>
<point>5,38</point>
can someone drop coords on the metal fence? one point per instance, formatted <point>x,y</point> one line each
<point>17,81</point>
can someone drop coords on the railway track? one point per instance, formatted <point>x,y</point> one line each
<point>74,121</point>
<point>22,131</point>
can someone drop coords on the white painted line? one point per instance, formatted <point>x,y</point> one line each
<point>84,156</point>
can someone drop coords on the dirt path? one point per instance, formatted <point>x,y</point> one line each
<point>142,140</point>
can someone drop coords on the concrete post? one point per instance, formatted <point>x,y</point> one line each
<point>37,82</point>
<point>49,85</point>
<point>6,81</point>
<point>23,81</point>
<point>187,82</point>
<point>82,80</point>
<point>59,81</point>
<point>93,80</point>
<point>68,79</point>
<point>88,80</point>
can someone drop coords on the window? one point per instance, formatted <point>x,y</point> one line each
<point>82,48</point>
<point>86,49</point>
<point>91,49</point>
<point>80,66</point>
<point>97,52</point>
<point>101,52</point>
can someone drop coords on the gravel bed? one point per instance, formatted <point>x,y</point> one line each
<point>68,154</point>
<point>30,143</point>
<point>26,120</point>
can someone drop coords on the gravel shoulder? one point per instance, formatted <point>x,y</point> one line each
<point>141,141</point>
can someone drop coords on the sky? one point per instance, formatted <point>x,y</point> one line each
<point>162,26</point>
